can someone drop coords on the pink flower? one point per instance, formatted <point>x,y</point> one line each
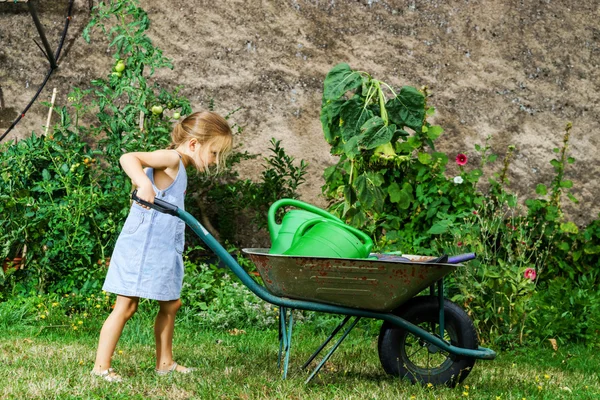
<point>461,159</point>
<point>530,274</point>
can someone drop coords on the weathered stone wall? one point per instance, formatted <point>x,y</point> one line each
<point>513,70</point>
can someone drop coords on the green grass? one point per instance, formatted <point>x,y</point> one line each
<point>48,363</point>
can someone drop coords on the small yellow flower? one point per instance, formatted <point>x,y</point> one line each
<point>120,351</point>
<point>430,385</point>
<point>54,304</point>
<point>539,387</point>
<point>80,362</point>
<point>498,398</point>
<point>85,315</point>
<point>66,295</point>
<point>466,394</point>
<point>413,397</point>
<point>537,378</point>
<point>42,316</point>
<point>546,376</point>
<point>97,305</point>
<point>74,328</point>
<point>39,305</point>
<point>80,322</point>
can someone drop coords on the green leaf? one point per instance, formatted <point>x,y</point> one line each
<point>339,80</point>
<point>434,132</point>
<point>46,175</point>
<point>591,249</point>
<point>424,158</point>
<point>364,195</point>
<point>439,227</point>
<point>353,117</point>
<point>492,157</point>
<point>394,192</point>
<point>572,198</point>
<point>351,147</point>
<point>407,109</point>
<point>566,184</point>
<point>569,227</point>
<point>570,160</point>
<point>541,189</point>
<point>376,133</point>
<point>375,178</point>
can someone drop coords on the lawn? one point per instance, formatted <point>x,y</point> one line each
<point>54,362</point>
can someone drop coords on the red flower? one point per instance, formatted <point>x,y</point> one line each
<point>530,274</point>
<point>459,244</point>
<point>461,159</point>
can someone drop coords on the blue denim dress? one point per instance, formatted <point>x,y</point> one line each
<point>147,260</point>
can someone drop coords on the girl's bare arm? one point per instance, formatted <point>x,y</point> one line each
<point>134,163</point>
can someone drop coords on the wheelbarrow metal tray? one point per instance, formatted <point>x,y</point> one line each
<point>368,284</point>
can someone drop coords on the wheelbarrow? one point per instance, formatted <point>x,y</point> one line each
<point>425,339</point>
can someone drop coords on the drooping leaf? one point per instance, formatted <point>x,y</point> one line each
<point>352,117</point>
<point>351,147</point>
<point>339,80</point>
<point>375,133</point>
<point>407,109</point>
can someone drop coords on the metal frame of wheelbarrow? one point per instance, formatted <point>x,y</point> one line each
<point>285,323</point>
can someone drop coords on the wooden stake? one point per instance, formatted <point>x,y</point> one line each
<point>141,121</point>
<point>50,111</point>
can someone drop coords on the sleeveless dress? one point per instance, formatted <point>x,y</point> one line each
<point>147,260</point>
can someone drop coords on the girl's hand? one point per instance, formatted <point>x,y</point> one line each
<point>146,193</point>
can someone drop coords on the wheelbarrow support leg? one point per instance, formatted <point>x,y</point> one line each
<point>326,342</point>
<point>440,289</point>
<point>285,338</point>
<point>334,348</point>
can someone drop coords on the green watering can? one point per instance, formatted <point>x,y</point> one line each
<point>283,234</point>
<point>328,238</point>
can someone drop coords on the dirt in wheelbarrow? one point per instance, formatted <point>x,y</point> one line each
<point>513,71</point>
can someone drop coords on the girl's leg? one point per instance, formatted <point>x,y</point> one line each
<point>163,333</point>
<point>111,330</point>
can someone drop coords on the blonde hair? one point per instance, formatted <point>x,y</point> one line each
<point>210,130</point>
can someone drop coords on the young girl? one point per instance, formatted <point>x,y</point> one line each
<point>147,260</point>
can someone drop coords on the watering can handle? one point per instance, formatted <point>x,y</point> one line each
<point>275,227</point>
<point>368,243</point>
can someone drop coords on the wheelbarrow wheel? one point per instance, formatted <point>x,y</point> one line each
<point>405,355</point>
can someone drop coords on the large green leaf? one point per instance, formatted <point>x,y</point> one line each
<point>440,227</point>
<point>375,133</point>
<point>330,120</point>
<point>339,80</point>
<point>352,117</point>
<point>351,147</point>
<point>407,109</point>
<point>369,195</point>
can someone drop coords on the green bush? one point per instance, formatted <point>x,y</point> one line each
<point>64,197</point>
<point>390,181</point>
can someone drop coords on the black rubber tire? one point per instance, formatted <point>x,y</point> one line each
<point>398,360</point>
